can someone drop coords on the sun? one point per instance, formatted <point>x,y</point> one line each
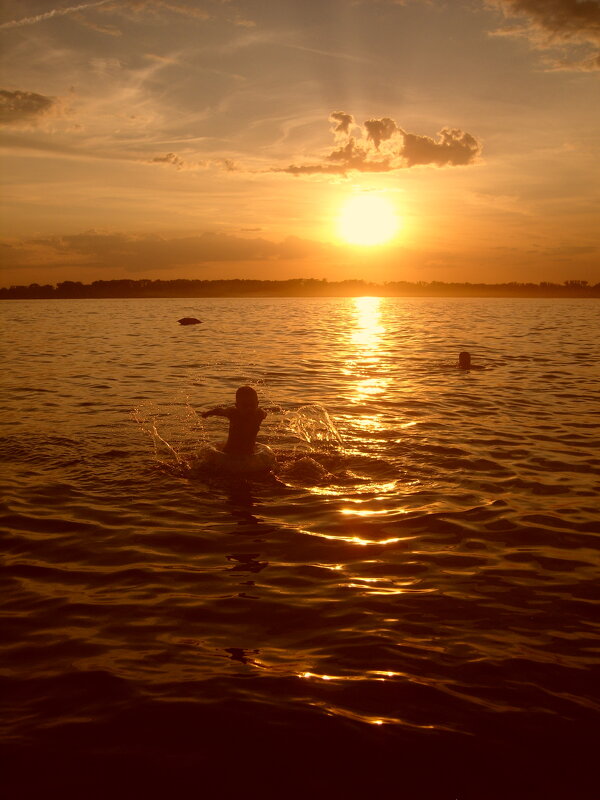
<point>367,219</point>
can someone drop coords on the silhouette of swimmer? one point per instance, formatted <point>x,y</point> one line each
<point>464,361</point>
<point>245,419</point>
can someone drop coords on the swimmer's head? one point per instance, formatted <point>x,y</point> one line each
<point>464,360</point>
<point>246,398</point>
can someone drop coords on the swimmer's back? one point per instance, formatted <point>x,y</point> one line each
<point>243,429</point>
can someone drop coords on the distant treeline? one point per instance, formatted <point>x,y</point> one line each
<point>298,287</point>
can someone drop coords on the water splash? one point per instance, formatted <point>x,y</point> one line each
<point>311,451</point>
<point>313,425</point>
<point>177,432</point>
<point>302,439</point>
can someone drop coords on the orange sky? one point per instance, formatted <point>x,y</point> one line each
<point>217,139</point>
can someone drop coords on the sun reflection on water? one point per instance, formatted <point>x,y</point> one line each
<point>369,327</point>
<point>367,423</point>
<point>371,488</point>
<point>366,339</point>
<point>365,512</point>
<point>337,711</point>
<point>359,540</point>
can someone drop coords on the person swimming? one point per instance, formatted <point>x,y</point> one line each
<point>245,419</point>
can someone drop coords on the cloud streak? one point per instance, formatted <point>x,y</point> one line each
<point>385,147</point>
<point>131,6</point>
<point>56,12</point>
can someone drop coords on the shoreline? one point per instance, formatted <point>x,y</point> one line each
<point>297,288</point>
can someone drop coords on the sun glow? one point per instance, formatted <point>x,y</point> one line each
<point>367,220</point>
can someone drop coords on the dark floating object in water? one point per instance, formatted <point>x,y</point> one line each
<point>464,362</point>
<point>189,321</point>
<point>464,359</point>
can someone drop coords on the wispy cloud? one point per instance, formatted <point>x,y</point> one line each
<point>56,12</point>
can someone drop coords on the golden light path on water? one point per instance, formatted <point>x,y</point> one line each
<point>365,382</point>
<point>363,365</point>
<point>366,341</point>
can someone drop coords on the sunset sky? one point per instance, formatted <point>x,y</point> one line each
<point>225,138</point>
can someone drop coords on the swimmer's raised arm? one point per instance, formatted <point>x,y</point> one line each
<point>219,411</point>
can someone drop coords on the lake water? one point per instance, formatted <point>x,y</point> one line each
<point>410,606</point>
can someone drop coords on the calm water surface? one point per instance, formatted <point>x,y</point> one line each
<point>411,604</point>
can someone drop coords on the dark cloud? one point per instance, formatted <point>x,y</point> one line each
<point>19,107</point>
<point>139,253</point>
<point>169,158</point>
<point>402,150</point>
<point>380,130</point>
<point>562,18</point>
<point>227,164</point>
<point>174,160</point>
<point>344,122</point>
<point>550,24</point>
<point>453,148</point>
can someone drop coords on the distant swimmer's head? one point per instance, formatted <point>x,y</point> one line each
<point>464,360</point>
<point>246,398</point>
